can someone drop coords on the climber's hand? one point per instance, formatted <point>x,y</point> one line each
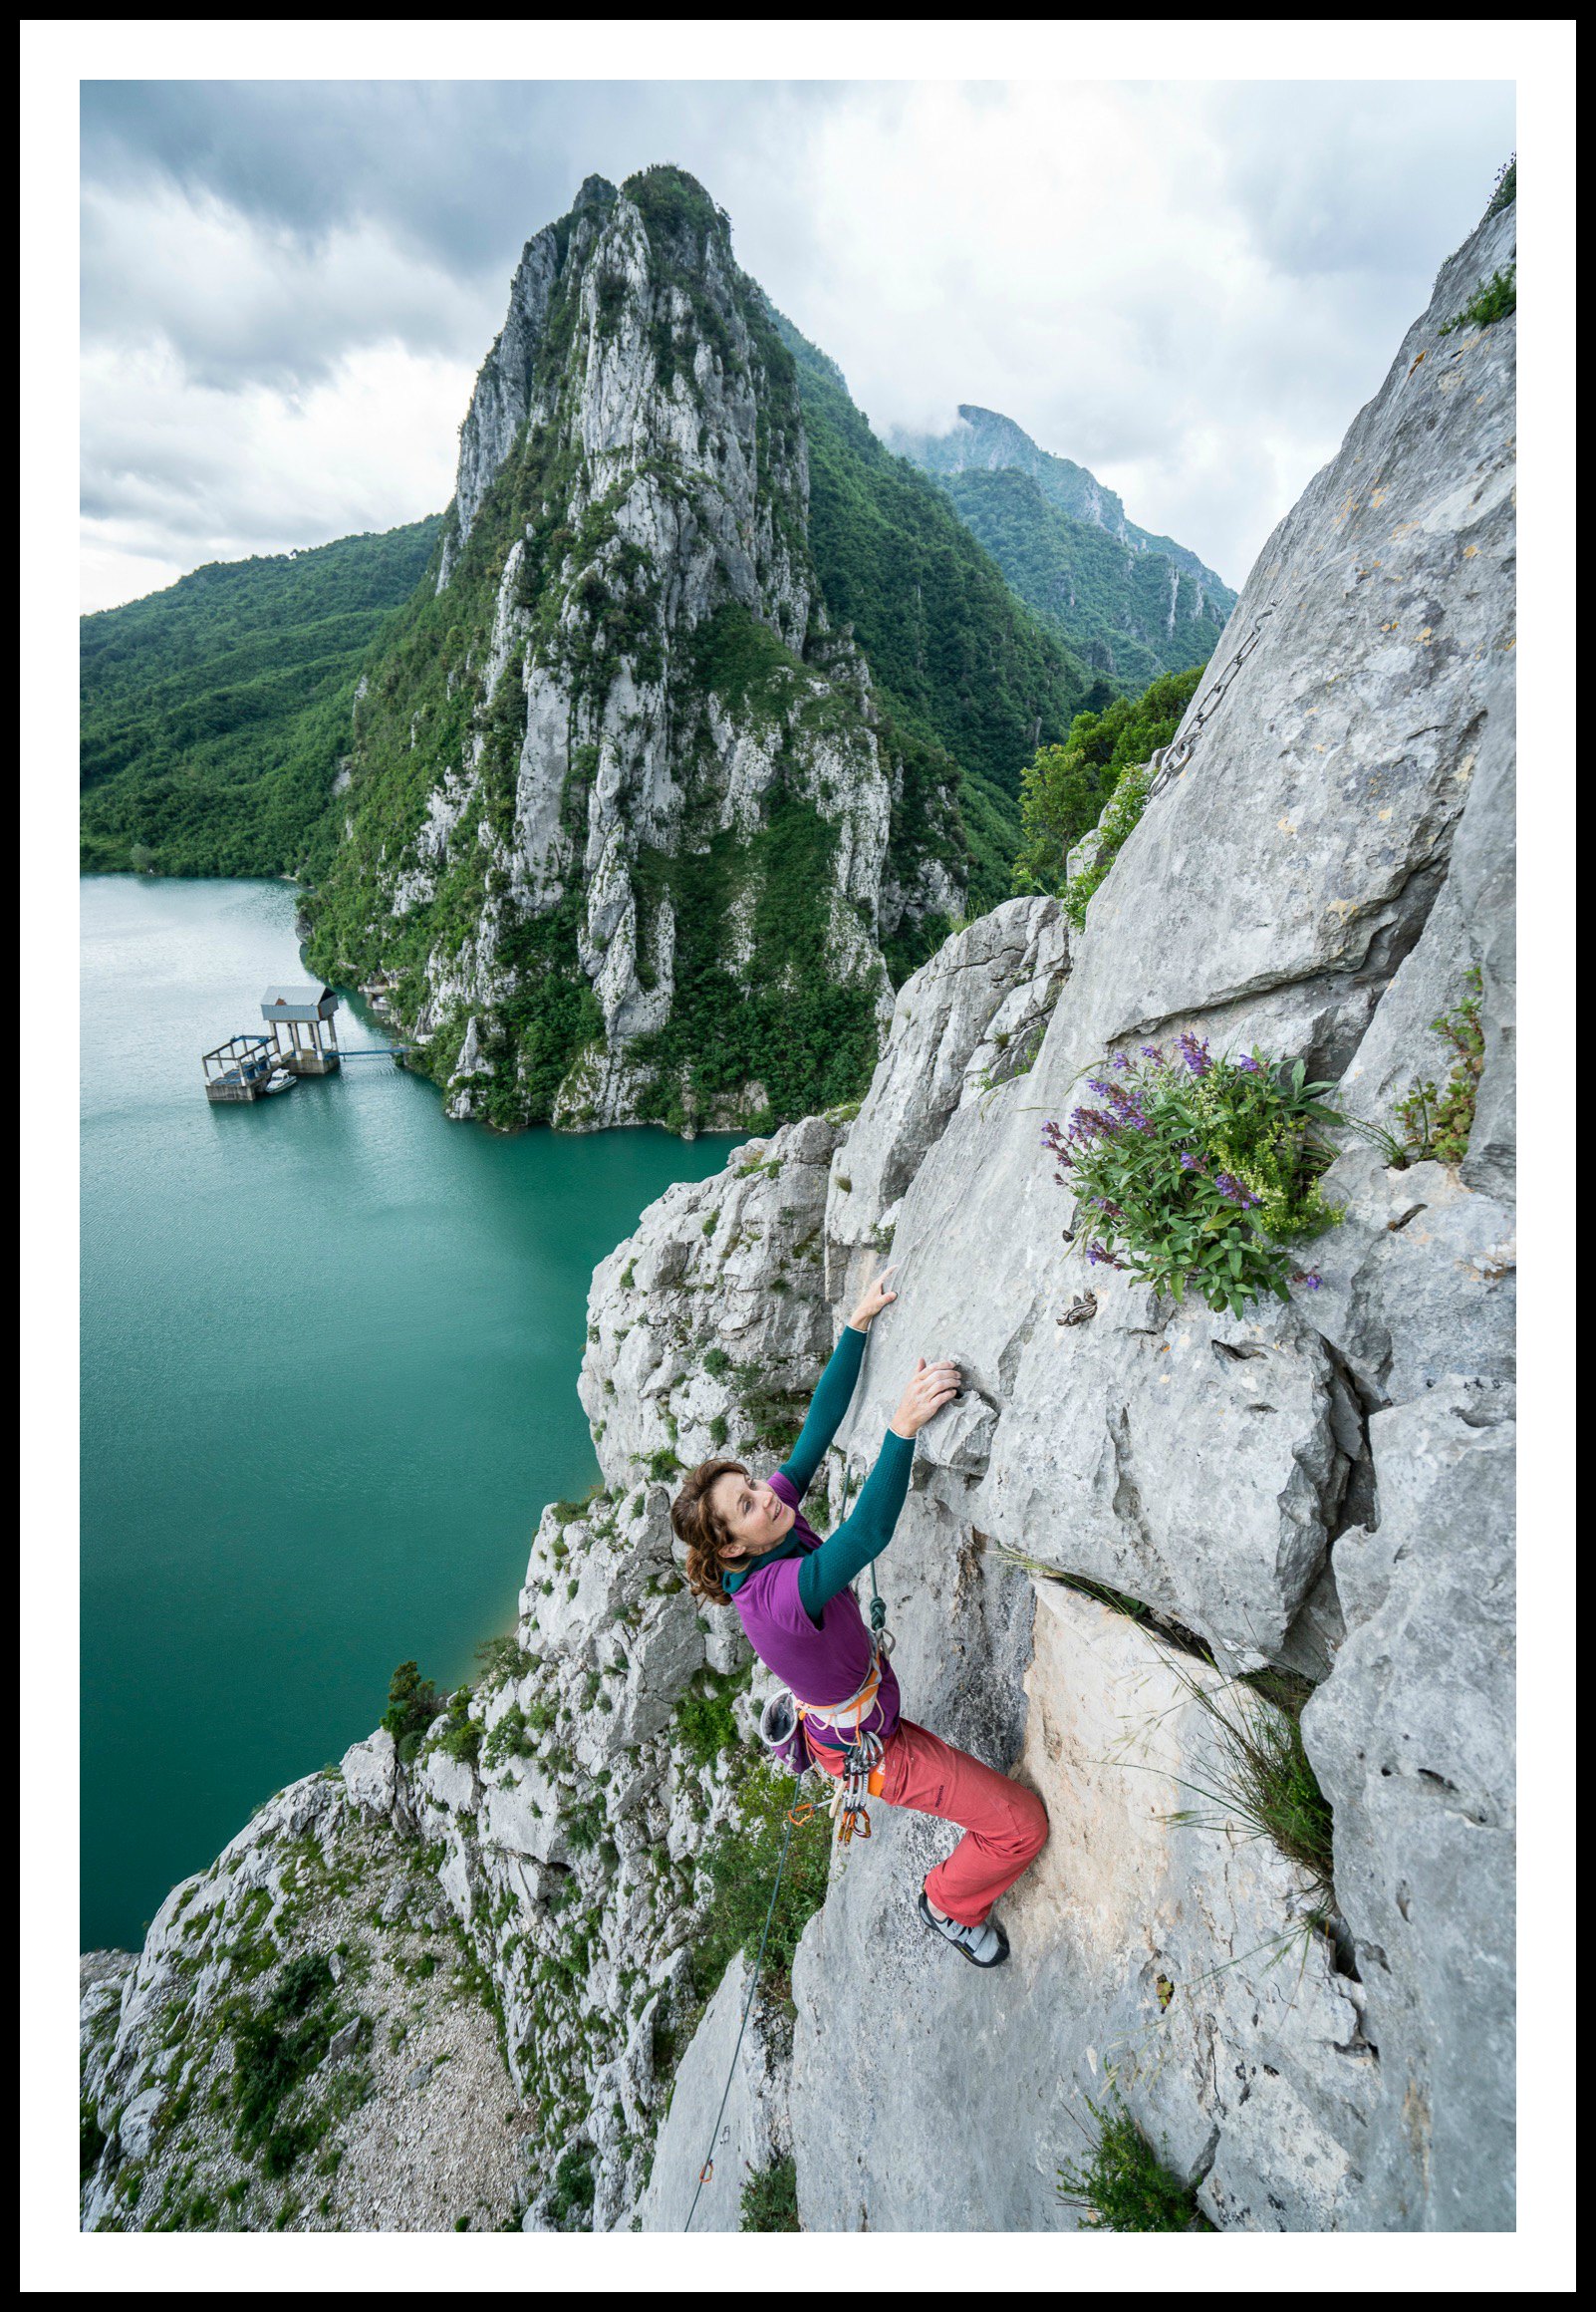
<point>872,1301</point>
<point>933,1387</point>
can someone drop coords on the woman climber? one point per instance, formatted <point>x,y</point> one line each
<point>747,1542</point>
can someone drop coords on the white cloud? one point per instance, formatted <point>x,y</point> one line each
<point>179,472</point>
<point>1190,288</point>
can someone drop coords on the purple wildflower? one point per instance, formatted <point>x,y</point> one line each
<point>1100,1257</point>
<point>1121,1063</point>
<point>1195,1054</point>
<point>1104,1091</point>
<point>1306,1277</point>
<point>1190,1163</point>
<point>1150,1052</point>
<point>1232,1191</point>
<point>1251,1065</point>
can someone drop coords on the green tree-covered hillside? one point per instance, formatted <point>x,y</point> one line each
<point>213,714</point>
<point>1132,615</point>
<point>959,662</point>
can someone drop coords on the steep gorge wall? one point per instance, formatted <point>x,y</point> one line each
<point>629,832</point>
<point>1322,1485</point>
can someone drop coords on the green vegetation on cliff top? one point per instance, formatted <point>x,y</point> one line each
<point>213,714</point>
<point>962,666</point>
<point>1064,790</point>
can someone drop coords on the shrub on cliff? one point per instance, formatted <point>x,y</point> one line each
<point>1063,789</point>
<point>1124,2186</point>
<point>1195,1173</point>
<point>413,1704</point>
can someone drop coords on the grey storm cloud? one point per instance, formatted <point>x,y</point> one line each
<point>287,286</point>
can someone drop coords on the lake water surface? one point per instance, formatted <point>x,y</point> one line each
<point>330,1351</point>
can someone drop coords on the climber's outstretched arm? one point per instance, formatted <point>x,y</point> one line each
<point>826,1409</point>
<point>864,1533</point>
<point>834,1389</point>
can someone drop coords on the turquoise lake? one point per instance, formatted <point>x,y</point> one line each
<point>330,1352</point>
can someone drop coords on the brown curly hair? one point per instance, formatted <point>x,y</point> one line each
<point>693,1517</point>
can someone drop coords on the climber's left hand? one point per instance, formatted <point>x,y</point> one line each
<point>872,1300</point>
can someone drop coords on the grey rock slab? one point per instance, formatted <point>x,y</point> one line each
<point>1413,1738</point>
<point>1418,1278</point>
<point>369,1769</point>
<point>137,2127</point>
<point>743,2140</point>
<point>983,2097</point>
<point>998,978</point>
<point>1330,775</point>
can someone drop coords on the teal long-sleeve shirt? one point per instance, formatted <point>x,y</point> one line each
<point>867,1528</point>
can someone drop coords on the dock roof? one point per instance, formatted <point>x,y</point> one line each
<point>298,1002</point>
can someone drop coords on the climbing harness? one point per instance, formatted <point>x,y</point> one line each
<point>796,1815</point>
<point>1170,760</point>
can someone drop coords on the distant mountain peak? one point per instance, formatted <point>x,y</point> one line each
<point>986,440</point>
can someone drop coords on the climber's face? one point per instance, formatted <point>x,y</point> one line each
<point>753,1513</point>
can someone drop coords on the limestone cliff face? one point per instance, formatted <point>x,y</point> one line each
<point>1322,1486</point>
<point>623,834</point>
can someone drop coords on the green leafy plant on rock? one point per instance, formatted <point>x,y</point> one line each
<point>459,1735</point>
<point>1437,1123</point>
<point>705,1724</point>
<point>413,1704</point>
<point>276,2050</point>
<point>1195,1174</point>
<point>1124,2186</point>
<point>740,1867</point>
<point>770,2199</point>
<point>1493,301</point>
<point>1064,790</point>
<point>1118,822</point>
<point>571,2200</point>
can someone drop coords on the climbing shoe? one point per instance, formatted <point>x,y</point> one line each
<point>985,1946</point>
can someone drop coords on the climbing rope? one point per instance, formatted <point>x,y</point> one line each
<point>852,1818</point>
<point>1172,760</point>
<point>794,1815</point>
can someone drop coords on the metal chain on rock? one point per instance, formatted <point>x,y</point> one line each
<point>1171,761</point>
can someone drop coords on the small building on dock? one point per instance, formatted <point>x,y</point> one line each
<point>239,1070</point>
<point>303,1038</point>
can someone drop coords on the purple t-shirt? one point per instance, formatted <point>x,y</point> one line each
<point>825,1665</point>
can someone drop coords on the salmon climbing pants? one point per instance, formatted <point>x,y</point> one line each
<point>1004,1824</point>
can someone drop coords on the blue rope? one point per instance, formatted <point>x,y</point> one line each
<point>707,2169</point>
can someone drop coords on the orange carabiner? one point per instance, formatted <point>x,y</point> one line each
<point>801,1814</point>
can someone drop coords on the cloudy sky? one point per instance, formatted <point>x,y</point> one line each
<point>1189,287</point>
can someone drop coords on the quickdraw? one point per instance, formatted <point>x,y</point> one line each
<point>847,1809</point>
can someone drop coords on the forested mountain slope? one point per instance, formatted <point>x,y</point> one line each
<point>213,714</point>
<point>710,720</point>
<point>1133,604</point>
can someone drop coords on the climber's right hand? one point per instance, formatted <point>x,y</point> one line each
<point>931,1387</point>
